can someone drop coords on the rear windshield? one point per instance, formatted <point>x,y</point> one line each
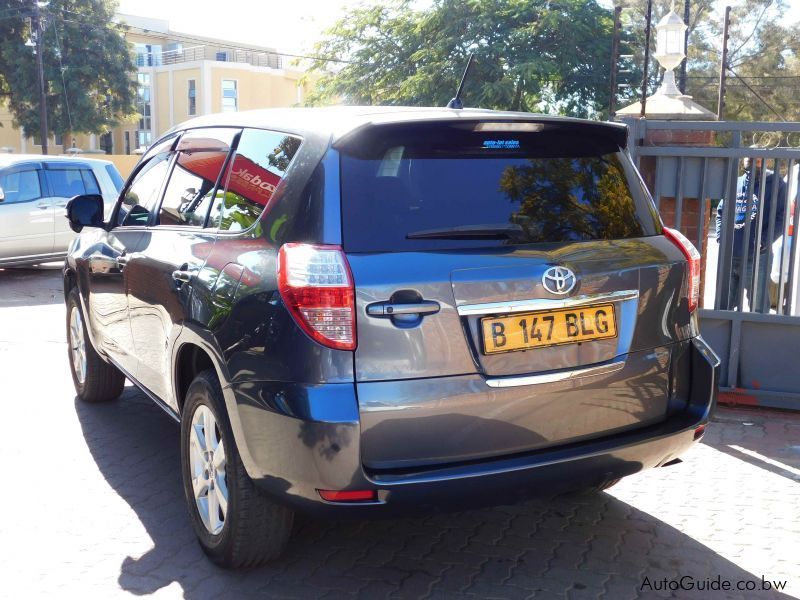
<point>414,192</point>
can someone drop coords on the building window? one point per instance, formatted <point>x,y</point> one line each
<point>230,96</point>
<point>127,142</point>
<point>192,98</point>
<point>143,139</point>
<point>173,53</point>
<point>144,135</point>
<point>107,143</point>
<point>148,55</point>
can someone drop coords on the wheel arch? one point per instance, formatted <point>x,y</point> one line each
<point>70,281</point>
<point>196,350</point>
<point>190,360</point>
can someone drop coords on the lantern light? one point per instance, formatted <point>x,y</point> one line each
<point>670,49</point>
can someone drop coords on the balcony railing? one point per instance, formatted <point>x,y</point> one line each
<point>195,53</point>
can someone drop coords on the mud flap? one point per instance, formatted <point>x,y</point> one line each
<point>705,380</point>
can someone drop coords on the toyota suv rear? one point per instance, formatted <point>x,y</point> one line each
<point>374,311</point>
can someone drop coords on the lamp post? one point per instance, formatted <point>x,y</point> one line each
<point>670,50</point>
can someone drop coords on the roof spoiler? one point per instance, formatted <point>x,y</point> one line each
<point>617,133</point>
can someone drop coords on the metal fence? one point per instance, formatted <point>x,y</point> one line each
<point>750,298</point>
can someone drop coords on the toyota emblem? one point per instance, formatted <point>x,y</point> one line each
<point>558,280</point>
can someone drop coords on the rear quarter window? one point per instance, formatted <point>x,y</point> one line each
<point>474,189</point>
<point>115,177</point>
<point>252,178</point>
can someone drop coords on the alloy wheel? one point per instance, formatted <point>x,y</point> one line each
<point>77,344</point>
<point>207,463</point>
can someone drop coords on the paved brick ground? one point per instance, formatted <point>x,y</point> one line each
<point>92,507</point>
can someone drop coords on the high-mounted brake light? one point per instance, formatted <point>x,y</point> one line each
<point>502,126</point>
<point>693,258</point>
<point>317,287</point>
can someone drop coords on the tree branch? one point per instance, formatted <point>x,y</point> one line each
<point>755,28</point>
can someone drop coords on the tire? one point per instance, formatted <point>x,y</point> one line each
<point>250,529</point>
<point>95,380</point>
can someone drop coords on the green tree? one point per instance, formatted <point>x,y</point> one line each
<point>88,67</point>
<point>532,55</point>
<point>763,52</point>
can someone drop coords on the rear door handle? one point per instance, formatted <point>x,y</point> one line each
<point>43,205</point>
<point>388,309</point>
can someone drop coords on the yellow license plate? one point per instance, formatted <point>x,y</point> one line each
<point>524,331</point>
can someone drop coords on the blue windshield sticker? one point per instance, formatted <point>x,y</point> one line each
<point>501,144</point>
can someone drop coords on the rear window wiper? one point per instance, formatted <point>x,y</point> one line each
<point>487,231</point>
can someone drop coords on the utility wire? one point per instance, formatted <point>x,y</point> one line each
<point>757,95</point>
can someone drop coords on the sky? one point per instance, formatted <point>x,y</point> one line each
<point>292,26</point>
<point>289,26</point>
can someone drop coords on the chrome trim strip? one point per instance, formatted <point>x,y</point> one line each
<point>515,306</point>
<point>606,369</point>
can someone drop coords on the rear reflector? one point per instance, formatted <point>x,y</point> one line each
<point>349,495</point>
<point>693,258</point>
<point>317,288</point>
<point>699,431</point>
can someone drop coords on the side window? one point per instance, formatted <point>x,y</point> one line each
<point>90,182</point>
<point>20,186</point>
<point>193,181</point>
<point>65,183</point>
<point>257,169</point>
<point>142,194</point>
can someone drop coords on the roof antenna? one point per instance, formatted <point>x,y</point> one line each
<point>456,102</point>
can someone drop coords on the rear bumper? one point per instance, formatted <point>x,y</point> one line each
<point>291,456</point>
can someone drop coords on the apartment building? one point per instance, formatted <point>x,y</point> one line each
<point>179,76</point>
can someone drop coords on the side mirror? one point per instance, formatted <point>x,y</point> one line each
<point>85,210</point>
<point>2,195</point>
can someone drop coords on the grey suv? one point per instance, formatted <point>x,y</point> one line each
<point>370,311</point>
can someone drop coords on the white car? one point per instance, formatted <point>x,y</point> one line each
<point>34,191</point>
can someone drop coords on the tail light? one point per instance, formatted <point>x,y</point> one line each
<point>693,257</point>
<point>317,287</point>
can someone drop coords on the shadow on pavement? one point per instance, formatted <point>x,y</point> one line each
<point>567,547</point>
<point>31,286</point>
<point>757,437</point>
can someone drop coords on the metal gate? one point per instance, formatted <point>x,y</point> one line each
<point>750,301</point>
